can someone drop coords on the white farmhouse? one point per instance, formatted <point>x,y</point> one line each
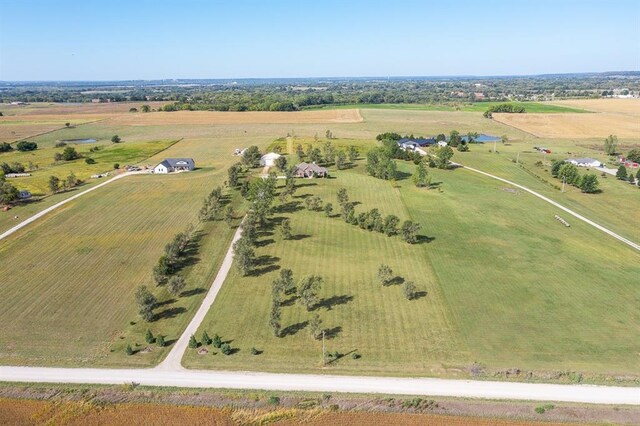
<point>170,165</point>
<point>584,162</point>
<point>269,159</point>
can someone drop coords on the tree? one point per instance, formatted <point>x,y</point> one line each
<point>421,177</point>
<point>352,153</point>
<point>129,350</point>
<point>148,337</point>
<point>216,341</point>
<point>328,209</point>
<point>281,163</point>
<point>133,109</point>
<point>315,155</point>
<point>454,138</point>
<point>176,284</point>
<point>146,303</point>
<point>26,146</point>
<point>206,340</point>
<point>328,134</point>
<point>116,166</point>
<point>244,256</point>
<point>229,216</point>
<point>315,324</point>
<point>634,155</point>
<point>443,156</point>
<point>251,156</point>
<point>343,197</point>
<point>631,178</point>
<point>610,144</point>
<point>115,139</point>
<point>380,164</point>
<point>409,231</point>
<point>8,192</point>
<point>262,193</point>
<point>5,147</point>
<point>409,290</point>
<point>622,172</point>
<point>145,108</point>
<point>160,341</point>
<point>233,176</point>
<point>286,281</point>
<point>589,183</point>
<point>69,154</point>
<point>193,343</point>
<point>300,153</point>
<point>225,348</point>
<point>285,229</point>
<point>341,160</point>
<point>328,152</point>
<point>638,177</point>
<point>274,319</point>
<point>390,225</point>
<point>555,167</point>
<point>569,173</point>
<point>54,184</point>
<point>71,181</point>
<point>90,161</point>
<point>308,289</point>
<point>463,146</point>
<point>385,274</point>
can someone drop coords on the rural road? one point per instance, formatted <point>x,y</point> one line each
<point>172,361</point>
<point>561,207</point>
<point>329,383</point>
<point>63,202</point>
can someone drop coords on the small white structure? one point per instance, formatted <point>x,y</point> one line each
<point>269,159</point>
<point>442,143</point>
<point>584,162</point>
<point>24,194</point>
<point>170,165</point>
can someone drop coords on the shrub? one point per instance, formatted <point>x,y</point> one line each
<point>116,166</point>
<point>225,349</point>
<point>254,351</point>
<point>26,146</point>
<point>160,341</point>
<point>5,147</point>
<point>90,161</point>
<point>206,339</point>
<point>60,144</point>
<point>115,139</point>
<point>217,341</point>
<point>128,350</point>
<point>148,337</point>
<point>274,400</point>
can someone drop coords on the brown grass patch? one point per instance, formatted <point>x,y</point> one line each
<point>622,106</point>
<point>250,117</point>
<point>574,125</point>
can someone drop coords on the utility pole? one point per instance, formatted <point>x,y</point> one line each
<point>518,158</point>
<point>323,357</point>
<point>564,179</point>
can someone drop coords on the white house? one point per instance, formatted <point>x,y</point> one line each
<point>269,159</point>
<point>584,162</point>
<point>175,165</point>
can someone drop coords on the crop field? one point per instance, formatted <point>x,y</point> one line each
<point>72,109</point>
<point>621,106</point>
<point>573,125</point>
<point>83,263</point>
<point>470,312</point>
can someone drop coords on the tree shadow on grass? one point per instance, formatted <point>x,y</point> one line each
<point>265,242</point>
<point>332,333</point>
<point>299,237</point>
<point>423,239</point>
<point>289,302</point>
<point>293,328</point>
<point>169,313</point>
<point>193,292</point>
<point>302,196</point>
<point>264,264</point>
<point>396,281</point>
<point>165,303</point>
<point>419,295</point>
<point>303,185</point>
<point>402,175</point>
<point>290,207</point>
<point>330,302</point>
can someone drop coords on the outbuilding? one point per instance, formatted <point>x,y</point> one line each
<point>269,159</point>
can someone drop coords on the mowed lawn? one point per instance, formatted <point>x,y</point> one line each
<point>393,335</point>
<point>68,281</point>
<point>507,286</point>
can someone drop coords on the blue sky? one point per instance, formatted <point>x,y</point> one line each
<point>140,39</point>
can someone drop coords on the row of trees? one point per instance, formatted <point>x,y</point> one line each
<point>328,155</point>
<point>56,184</point>
<point>567,172</point>
<point>622,174</point>
<point>508,108</point>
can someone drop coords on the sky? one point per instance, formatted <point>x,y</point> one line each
<point>144,40</point>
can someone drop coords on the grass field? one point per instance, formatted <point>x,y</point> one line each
<point>83,263</point>
<point>471,312</point>
<point>531,107</point>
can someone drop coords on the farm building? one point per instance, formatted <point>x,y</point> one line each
<point>310,170</point>
<point>170,165</point>
<point>584,162</point>
<point>269,159</point>
<point>417,142</point>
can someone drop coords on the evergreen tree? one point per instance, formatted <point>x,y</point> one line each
<point>193,343</point>
<point>129,350</point>
<point>622,172</point>
<point>160,341</point>
<point>148,337</point>
<point>217,341</point>
<point>206,339</point>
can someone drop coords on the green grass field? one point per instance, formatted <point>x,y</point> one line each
<point>68,281</point>
<point>545,302</point>
<point>531,107</point>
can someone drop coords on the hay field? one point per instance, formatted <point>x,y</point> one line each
<point>50,108</point>
<point>619,117</point>
<point>16,128</point>
<point>622,106</point>
<point>248,117</point>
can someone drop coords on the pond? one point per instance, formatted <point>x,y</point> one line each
<point>79,140</point>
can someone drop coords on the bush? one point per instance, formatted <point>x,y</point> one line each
<point>160,341</point>
<point>274,400</point>
<point>225,349</point>
<point>116,166</point>
<point>193,343</point>
<point>206,340</point>
<point>60,144</point>
<point>5,147</point>
<point>90,161</point>
<point>115,139</point>
<point>128,350</point>
<point>148,337</point>
<point>254,351</point>
<point>26,146</point>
